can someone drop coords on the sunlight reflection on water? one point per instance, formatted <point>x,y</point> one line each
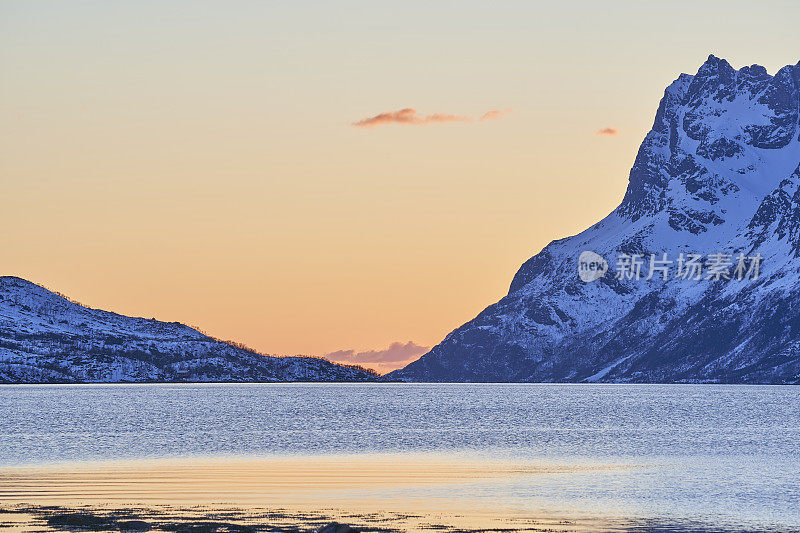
<point>724,455</point>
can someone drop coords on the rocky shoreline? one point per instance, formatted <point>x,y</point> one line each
<point>199,519</point>
<point>192,520</point>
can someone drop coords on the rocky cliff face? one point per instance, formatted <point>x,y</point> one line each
<point>45,338</point>
<point>718,176</point>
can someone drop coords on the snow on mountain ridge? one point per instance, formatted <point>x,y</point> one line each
<point>40,308</point>
<point>717,173</point>
<point>46,338</point>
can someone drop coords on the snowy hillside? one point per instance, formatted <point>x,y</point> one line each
<point>45,338</point>
<point>716,183</point>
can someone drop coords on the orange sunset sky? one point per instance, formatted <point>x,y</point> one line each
<point>351,178</point>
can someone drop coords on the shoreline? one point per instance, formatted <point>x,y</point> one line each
<point>213,519</point>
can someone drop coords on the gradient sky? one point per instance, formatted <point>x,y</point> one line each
<point>196,161</point>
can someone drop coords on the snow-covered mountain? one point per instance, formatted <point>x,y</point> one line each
<point>719,173</point>
<point>46,338</point>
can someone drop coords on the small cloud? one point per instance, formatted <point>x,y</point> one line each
<point>397,355</point>
<point>608,132</point>
<point>407,116</point>
<point>494,114</point>
<point>410,116</point>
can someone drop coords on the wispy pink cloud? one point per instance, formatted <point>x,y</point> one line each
<point>410,116</point>
<point>494,114</point>
<point>608,132</point>
<point>397,355</point>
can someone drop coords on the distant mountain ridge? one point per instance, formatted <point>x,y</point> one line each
<point>46,338</point>
<point>719,173</point>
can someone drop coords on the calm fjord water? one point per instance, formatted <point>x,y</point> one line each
<point>724,455</point>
